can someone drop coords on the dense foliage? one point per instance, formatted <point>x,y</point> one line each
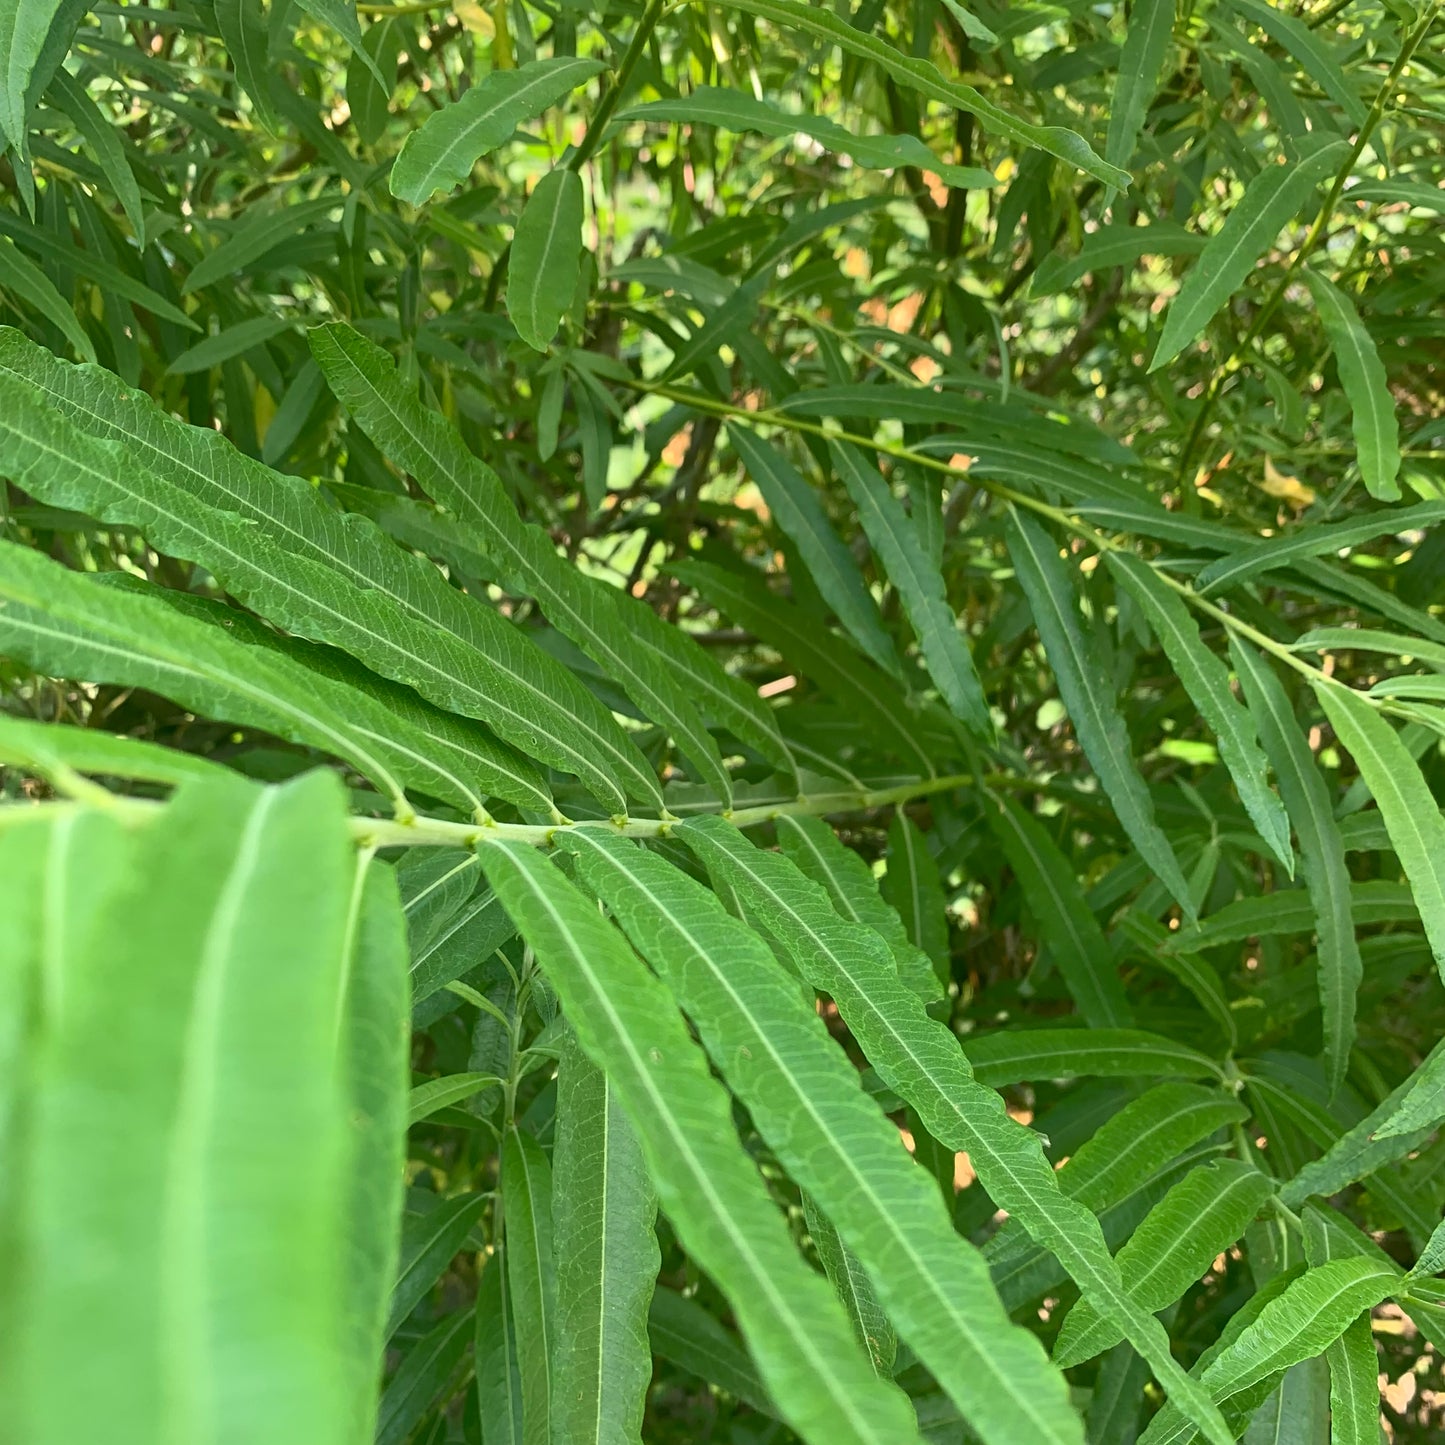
<point>836,610</point>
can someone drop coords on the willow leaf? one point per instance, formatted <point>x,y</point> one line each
<point>872,1326</point>
<point>1109,246</point>
<point>820,853</point>
<point>1298,1324</point>
<point>426,1373</point>
<point>341,16</point>
<point>499,1376</point>
<point>318,573</point>
<point>1269,203</point>
<point>34,35</point>
<point>1410,810</point>
<point>1146,42</point>
<point>664,671</point>
<point>1087,693</point>
<point>64,624</point>
<point>101,136</point>
<point>1322,851</point>
<point>924,78</point>
<point>921,1061</point>
<point>1016,1056</point>
<point>440,153</point>
<point>526,1180</point>
<point>806,1099</point>
<point>546,257</point>
<point>1177,1241</point>
<point>683,1332</point>
<point>1206,680</point>
<point>27,283</point>
<point>734,111</point>
<point>1317,541</point>
<point>1292,910</point>
<point>1296,1411</point>
<point>603,1208</point>
<point>1418,1104</point>
<point>1308,47</point>
<point>438,1094</point>
<point>797,510</point>
<point>1075,942</point>
<point>224,1108</point>
<point>1354,1386</point>
<point>627,1023</point>
<point>50,748</point>
<point>920,587</point>
<point>913,886</point>
<point>429,1244</point>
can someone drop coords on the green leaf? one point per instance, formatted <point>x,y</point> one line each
<point>26,282</point>
<point>437,1094</point>
<point>798,512</point>
<point>1111,246</point>
<point>1297,1411</point>
<point>1146,43</point>
<point>1304,42</point>
<point>1315,541</point>
<point>1206,680</point>
<point>603,1209</point>
<point>819,853</point>
<point>230,342</point>
<point>260,233</point>
<point>340,15</point>
<point>913,886</point>
<point>1410,810</point>
<point>732,110</point>
<point>1292,910</point>
<point>666,674</point>
<point>806,1099</point>
<point>1087,692</point>
<point>628,1024</point>
<point>546,257</point>
<point>278,546</point>
<point>1418,1104</point>
<point>499,1377</point>
<point>920,587</point>
<point>920,1060</point>
<point>424,1374</point>
<point>242,24</point>
<point>1298,1324</point>
<point>1354,1386</point>
<point>1270,202</point>
<point>1026,1055</point>
<point>1178,1240</point>
<point>219,1238</point>
<point>1362,374</point>
<point>1075,942</point>
<point>871,1325</point>
<point>1322,851</point>
<point>48,749</point>
<point>926,80</point>
<point>429,1243</point>
<point>526,1180</point>
<point>101,136</point>
<point>34,35</point>
<point>439,154</point>
<point>684,1333</point>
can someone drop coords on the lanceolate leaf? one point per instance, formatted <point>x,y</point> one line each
<point>1206,679</point>
<point>920,586</point>
<point>921,1061</point>
<point>25,281</point>
<point>603,1208</point>
<point>216,1241</point>
<point>921,76</point>
<point>819,853</point>
<point>1322,853</point>
<point>1012,1056</point>
<point>1410,810</point>
<point>1087,692</point>
<point>546,257</point>
<point>734,111</point>
<point>797,510</point>
<point>1180,1237</point>
<point>850,1280</point>
<point>1354,1386</point>
<point>526,1180</point>
<point>1075,941</point>
<point>664,672</point>
<point>49,748</point>
<point>334,578</point>
<point>340,15</point>
<point>807,1101</point>
<point>1268,204</point>
<point>1146,42</point>
<point>913,886</point>
<point>499,1378</point>
<point>440,154</point>
<point>628,1024</point>
<point>34,35</point>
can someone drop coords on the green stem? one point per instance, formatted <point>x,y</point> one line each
<point>1231,363</point>
<point>619,82</point>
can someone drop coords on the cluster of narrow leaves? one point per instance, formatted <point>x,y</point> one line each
<point>721,722</point>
